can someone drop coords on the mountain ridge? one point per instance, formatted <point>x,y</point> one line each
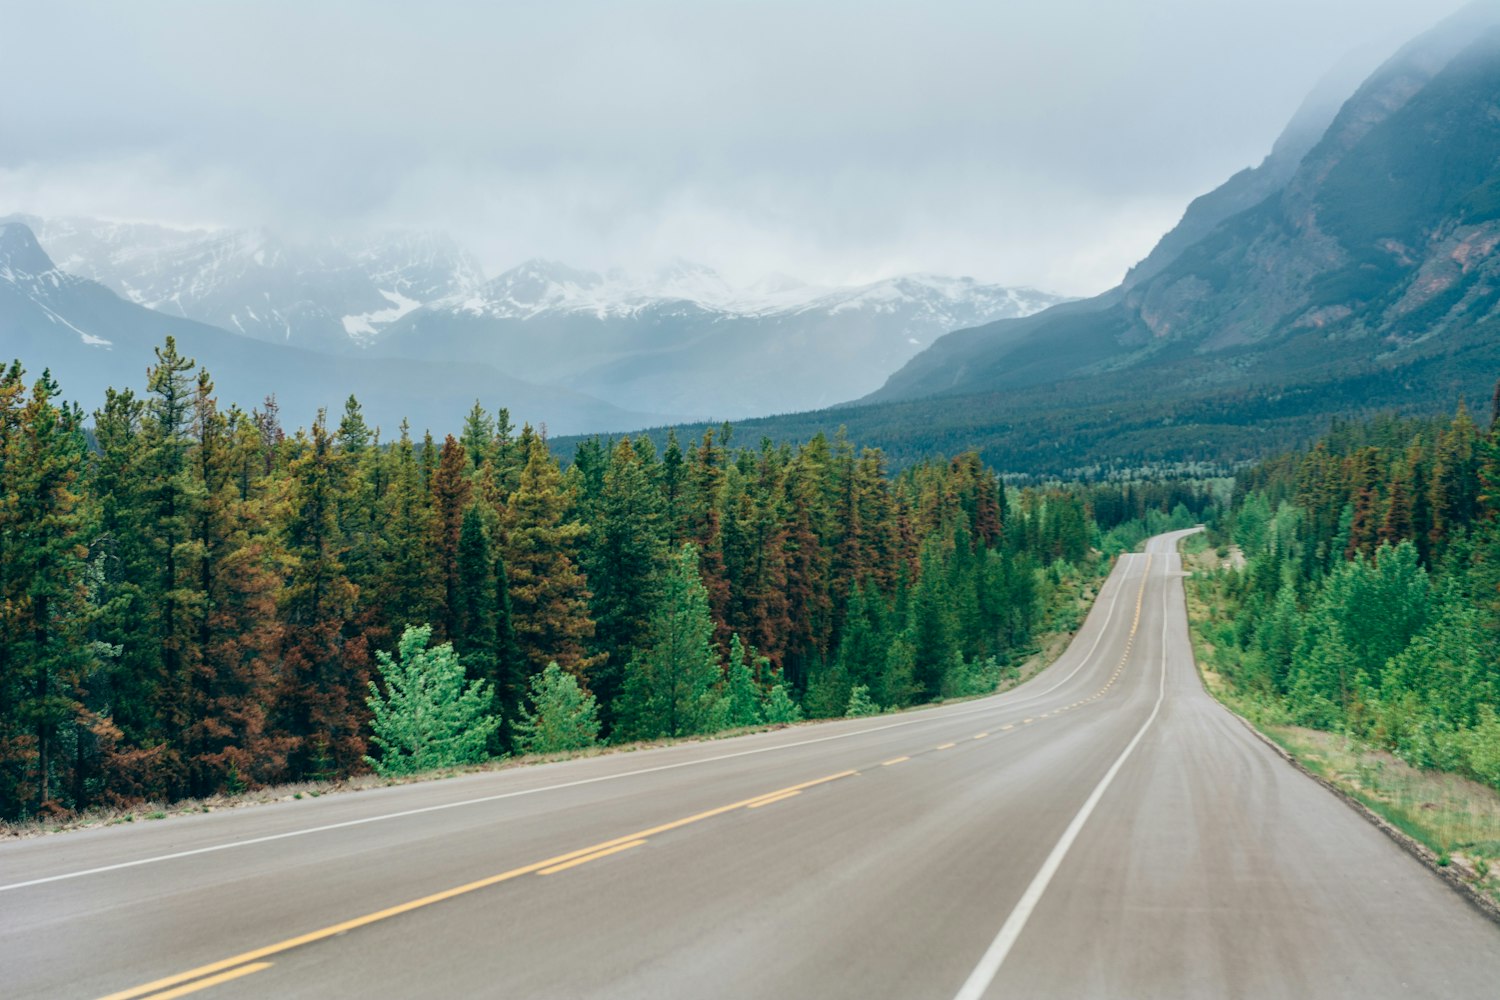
<point>87,336</point>
<point>1367,280</point>
<point>1211,290</point>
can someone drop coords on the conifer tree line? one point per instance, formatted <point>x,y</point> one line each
<point>1370,599</point>
<point>194,600</point>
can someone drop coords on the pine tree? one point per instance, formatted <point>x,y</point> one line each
<point>934,628</point>
<point>561,715</point>
<point>862,647</point>
<point>702,511</point>
<point>475,606</point>
<point>624,558</point>
<point>779,709</point>
<point>549,596</point>
<point>740,704</point>
<point>43,600</point>
<point>428,716</point>
<point>450,499</point>
<point>127,568</point>
<point>670,685</point>
<point>319,718</point>
<point>231,660</point>
<point>173,495</point>
<point>411,583</point>
<point>860,703</point>
<point>478,437</point>
<point>807,600</point>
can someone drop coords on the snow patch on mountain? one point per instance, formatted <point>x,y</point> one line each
<point>364,326</point>
<point>540,287</point>
<point>331,294</point>
<point>26,266</point>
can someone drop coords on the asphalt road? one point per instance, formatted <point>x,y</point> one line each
<point>1105,830</point>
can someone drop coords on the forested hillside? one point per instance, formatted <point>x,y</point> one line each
<point>1355,270</point>
<point>193,600</point>
<point>1370,599</point>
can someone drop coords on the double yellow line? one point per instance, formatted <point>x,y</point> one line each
<point>250,962</point>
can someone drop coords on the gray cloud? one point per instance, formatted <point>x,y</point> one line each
<point>1023,142</point>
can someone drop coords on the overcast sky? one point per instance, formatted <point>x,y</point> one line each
<point>1040,142</point>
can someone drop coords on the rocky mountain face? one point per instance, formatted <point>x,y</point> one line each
<point>684,340</point>
<point>329,295</point>
<point>1375,251</point>
<point>1356,276</point>
<point>91,339</point>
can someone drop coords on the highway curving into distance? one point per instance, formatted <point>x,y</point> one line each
<point>1105,830</point>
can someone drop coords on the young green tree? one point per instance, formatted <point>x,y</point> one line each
<point>779,709</point>
<point>860,703</point>
<point>561,715</point>
<point>428,714</point>
<point>740,704</point>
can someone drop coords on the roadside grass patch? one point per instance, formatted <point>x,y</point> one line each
<point>1454,817</point>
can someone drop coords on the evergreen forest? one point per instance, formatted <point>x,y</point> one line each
<point>1368,602</point>
<point>195,601</point>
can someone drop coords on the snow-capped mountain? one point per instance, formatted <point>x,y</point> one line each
<point>92,339</point>
<point>670,339</point>
<point>330,295</point>
<point>676,340</point>
<point>539,287</point>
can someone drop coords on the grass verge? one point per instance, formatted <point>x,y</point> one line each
<point>1448,821</point>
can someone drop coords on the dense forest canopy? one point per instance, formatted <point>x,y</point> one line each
<point>193,600</point>
<point>1369,602</point>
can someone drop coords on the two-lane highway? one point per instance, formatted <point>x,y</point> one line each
<point>1104,830</point>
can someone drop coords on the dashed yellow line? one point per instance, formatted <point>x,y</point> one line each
<point>607,852</point>
<point>945,746</point>
<point>247,962</point>
<point>980,736</point>
<point>894,760</point>
<point>773,799</point>
<point>204,984</point>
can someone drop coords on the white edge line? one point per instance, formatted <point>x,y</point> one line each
<point>550,788</point>
<point>994,957</point>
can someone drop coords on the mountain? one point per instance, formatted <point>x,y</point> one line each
<point>659,341</point>
<point>1366,277</point>
<point>1253,185</point>
<point>331,295</point>
<point>1350,259</point>
<point>1374,255</point>
<point>91,339</point>
<point>686,341</point>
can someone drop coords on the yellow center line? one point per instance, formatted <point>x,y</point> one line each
<point>945,746</point>
<point>775,798</point>
<point>204,984</point>
<point>603,854</point>
<point>894,760</point>
<point>416,904</point>
<point>980,736</point>
<point>1025,721</point>
<point>1008,725</point>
